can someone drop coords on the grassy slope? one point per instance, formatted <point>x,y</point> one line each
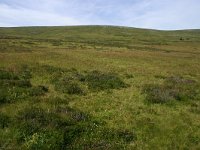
<point>147,55</point>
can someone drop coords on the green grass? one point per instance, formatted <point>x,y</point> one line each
<point>99,87</point>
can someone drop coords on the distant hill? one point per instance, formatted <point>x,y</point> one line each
<point>107,35</point>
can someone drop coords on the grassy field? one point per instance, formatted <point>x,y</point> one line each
<point>99,87</point>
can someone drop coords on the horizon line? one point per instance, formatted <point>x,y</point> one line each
<point>119,26</point>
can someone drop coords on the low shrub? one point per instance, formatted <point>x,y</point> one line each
<point>23,83</point>
<point>40,117</point>
<point>173,88</point>
<point>123,135</point>
<point>71,133</point>
<point>25,73</point>
<point>52,139</point>
<point>73,82</point>
<point>38,90</point>
<point>8,75</point>
<point>4,97</point>
<point>15,83</point>
<point>74,88</point>
<point>4,120</point>
<point>69,86</point>
<point>103,81</point>
<point>74,115</point>
<point>158,94</point>
<point>128,76</point>
<point>56,101</point>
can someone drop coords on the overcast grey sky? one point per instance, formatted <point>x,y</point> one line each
<point>156,14</point>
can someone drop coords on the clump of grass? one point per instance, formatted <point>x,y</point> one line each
<point>67,81</point>
<point>195,108</point>
<point>72,82</point>
<point>69,86</point>
<point>38,128</point>
<point>49,127</point>
<point>15,83</point>
<point>33,120</point>
<point>15,86</point>
<point>4,97</point>
<point>12,87</point>
<point>75,115</point>
<point>160,77</point>
<point>103,81</point>
<point>158,94</point>
<point>6,75</point>
<point>25,72</point>
<point>56,101</point>
<point>173,88</point>
<point>38,90</point>
<point>12,94</point>
<point>44,140</point>
<point>74,88</point>
<point>4,121</point>
<point>128,76</point>
<point>182,89</point>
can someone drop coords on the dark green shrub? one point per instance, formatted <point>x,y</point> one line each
<point>115,135</point>
<point>12,88</point>
<point>7,75</point>
<point>173,88</point>
<point>129,76</point>
<point>72,82</point>
<point>33,120</point>
<point>38,91</point>
<point>183,89</point>
<point>4,97</point>
<point>71,133</point>
<point>15,83</point>
<point>4,120</point>
<point>74,115</point>
<point>23,83</point>
<point>160,77</point>
<point>38,116</point>
<point>26,74</point>
<point>41,118</point>
<point>47,140</point>
<point>103,81</point>
<point>26,129</point>
<point>69,86</point>
<point>51,69</point>
<point>126,135</point>
<point>56,101</point>
<point>158,94</point>
<point>74,88</point>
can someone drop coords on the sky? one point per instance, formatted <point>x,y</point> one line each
<point>154,14</point>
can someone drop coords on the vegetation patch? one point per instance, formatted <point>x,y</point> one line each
<point>173,88</point>
<point>4,121</point>
<point>97,80</point>
<point>69,86</point>
<point>44,140</point>
<point>15,86</point>
<point>6,75</point>
<point>38,128</point>
<point>38,90</point>
<point>73,82</point>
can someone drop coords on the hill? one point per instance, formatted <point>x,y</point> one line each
<point>99,87</point>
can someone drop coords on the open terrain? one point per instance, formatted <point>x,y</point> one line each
<point>99,87</point>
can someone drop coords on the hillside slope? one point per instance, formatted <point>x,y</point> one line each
<point>99,87</point>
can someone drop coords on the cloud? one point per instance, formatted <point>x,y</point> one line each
<point>26,17</point>
<point>157,14</point>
